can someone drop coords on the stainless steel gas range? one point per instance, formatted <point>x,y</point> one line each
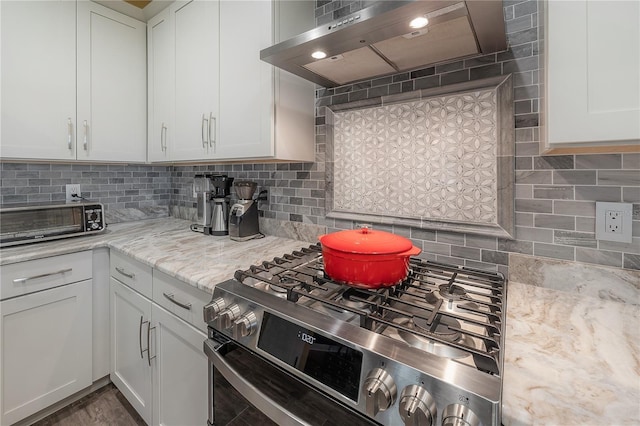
<point>289,346</point>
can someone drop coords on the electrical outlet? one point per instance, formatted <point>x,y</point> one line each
<point>73,192</point>
<point>613,222</point>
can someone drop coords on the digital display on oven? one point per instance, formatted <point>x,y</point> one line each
<point>329,362</point>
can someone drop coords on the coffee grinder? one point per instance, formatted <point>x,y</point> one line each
<point>220,204</point>
<point>243,219</point>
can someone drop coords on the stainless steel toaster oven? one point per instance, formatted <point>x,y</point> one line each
<point>43,222</point>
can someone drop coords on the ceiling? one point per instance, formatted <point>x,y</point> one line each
<point>142,10</point>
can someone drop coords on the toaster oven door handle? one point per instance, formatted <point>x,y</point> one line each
<point>34,277</point>
<point>261,401</point>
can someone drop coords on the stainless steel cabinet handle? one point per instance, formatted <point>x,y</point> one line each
<point>86,131</point>
<point>172,298</point>
<point>25,279</point>
<point>163,138</point>
<point>140,337</point>
<point>255,396</point>
<point>142,351</point>
<point>69,134</point>
<point>125,273</point>
<point>212,139</point>
<point>204,132</point>
<point>149,357</point>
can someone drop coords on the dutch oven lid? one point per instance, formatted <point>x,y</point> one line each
<point>366,241</point>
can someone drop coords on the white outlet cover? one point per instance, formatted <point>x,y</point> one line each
<point>73,188</point>
<point>626,211</point>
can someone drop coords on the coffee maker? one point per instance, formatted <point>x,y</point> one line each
<point>202,189</point>
<point>243,219</point>
<point>220,204</point>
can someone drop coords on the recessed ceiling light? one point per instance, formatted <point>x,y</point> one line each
<point>318,54</point>
<point>419,22</point>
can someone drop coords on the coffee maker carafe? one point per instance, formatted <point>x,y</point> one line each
<point>243,219</point>
<point>220,204</point>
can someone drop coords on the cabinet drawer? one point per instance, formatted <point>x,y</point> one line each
<point>128,271</point>
<point>21,278</point>
<point>180,298</point>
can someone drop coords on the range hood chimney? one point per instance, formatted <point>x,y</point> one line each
<point>379,41</point>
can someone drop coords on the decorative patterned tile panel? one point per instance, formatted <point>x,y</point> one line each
<point>431,158</point>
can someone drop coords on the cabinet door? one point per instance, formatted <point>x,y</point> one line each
<point>38,79</point>
<point>45,349</point>
<point>586,40</point>
<point>112,73</point>
<point>130,370</point>
<point>196,79</point>
<point>246,97</point>
<point>180,374</point>
<point>160,79</point>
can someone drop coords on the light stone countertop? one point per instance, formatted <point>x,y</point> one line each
<point>169,246</point>
<point>570,358</point>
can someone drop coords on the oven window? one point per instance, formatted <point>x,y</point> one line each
<point>298,398</point>
<point>331,363</point>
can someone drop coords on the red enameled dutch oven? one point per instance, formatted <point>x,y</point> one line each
<point>366,258</point>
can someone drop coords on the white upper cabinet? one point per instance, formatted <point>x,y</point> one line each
<point>38,79</point>
<point>195,26</point>
<point>112,75</point>
<point>592,68</point>
<point>246,97</point>
<point>227,103</point>
<point>265,113</point>
<point>68,96</point>
<point>160,78</point>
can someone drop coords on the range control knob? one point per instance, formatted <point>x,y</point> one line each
<point>245,325</point>
<point>459,415</point>
<point>213,309</point>
<point>417,407</point>
<point>228,316</point>
<point>379,391</point>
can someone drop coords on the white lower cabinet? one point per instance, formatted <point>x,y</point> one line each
<point>157,358</point>
<point>130,372</point>
<point>179,372</point>
<point>45,348</point>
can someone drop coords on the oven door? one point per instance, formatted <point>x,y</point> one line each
<point>246,389</point>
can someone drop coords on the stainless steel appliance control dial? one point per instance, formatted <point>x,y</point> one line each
<point>379,390</point>
<point>228,316</point>
<point>459,415</point>
<point>245,325</point>
<point>417,407</point>
<point>213,309</point>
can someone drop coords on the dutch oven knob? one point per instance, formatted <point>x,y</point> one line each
<point>365,228</point>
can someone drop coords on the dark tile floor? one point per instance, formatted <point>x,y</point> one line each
<point>105,406</point>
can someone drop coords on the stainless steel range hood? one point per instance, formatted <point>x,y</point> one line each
<point>378,40</point>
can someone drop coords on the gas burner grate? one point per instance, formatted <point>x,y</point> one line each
<point>435,302</point>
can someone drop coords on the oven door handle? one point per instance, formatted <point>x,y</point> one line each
<point>261,401</point>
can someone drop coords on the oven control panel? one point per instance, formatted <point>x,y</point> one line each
<point>385,380</point>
